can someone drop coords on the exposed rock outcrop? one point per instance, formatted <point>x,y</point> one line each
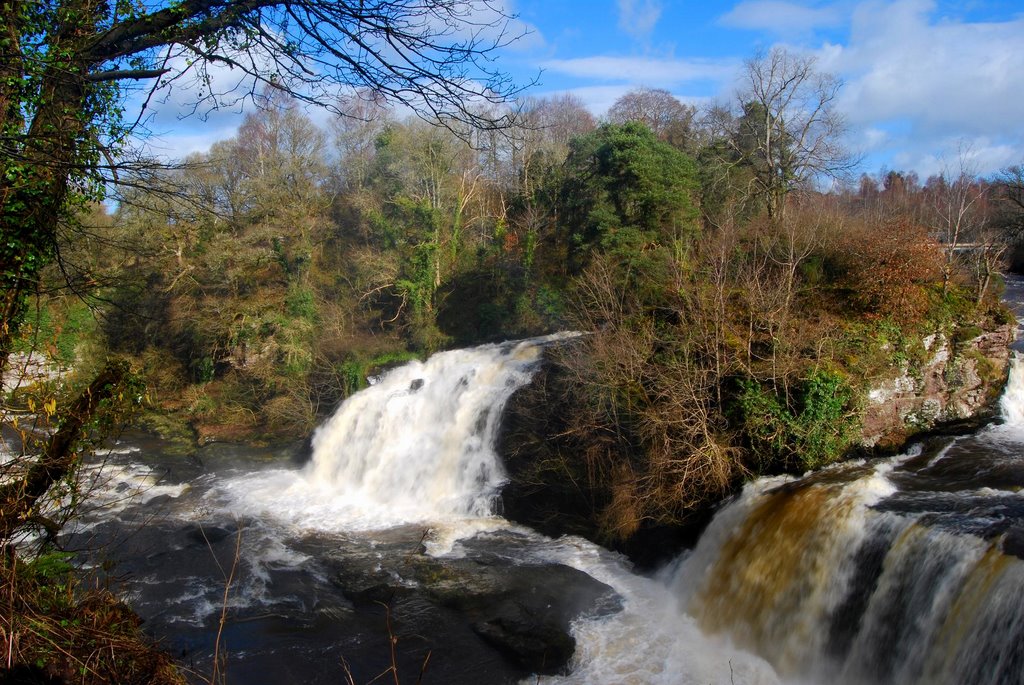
<point>958,381</point>
<point>521,611</point>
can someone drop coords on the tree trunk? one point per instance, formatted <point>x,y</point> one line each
<point>35,178</point>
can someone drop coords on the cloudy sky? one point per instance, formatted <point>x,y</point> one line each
<point>925,82</point>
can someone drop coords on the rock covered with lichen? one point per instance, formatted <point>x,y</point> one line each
<point>958,379</point>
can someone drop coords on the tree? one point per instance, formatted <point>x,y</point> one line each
<point>363,117</point>
<point>67,67</point>
<point>958,215</point>
<point>626,192</point>
<point>1012,180</point>
<point>789,131</point>
<point>657,109</point>
<point>1009,196</point>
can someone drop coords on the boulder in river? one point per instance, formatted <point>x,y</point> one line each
<point>522,611</point>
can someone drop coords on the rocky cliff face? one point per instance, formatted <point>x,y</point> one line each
<point>958,381</point>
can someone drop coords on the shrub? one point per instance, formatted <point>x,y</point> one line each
<point>300,302</point>
<point>888,267</point>
<point>815,431</point>
<point>70,631</point>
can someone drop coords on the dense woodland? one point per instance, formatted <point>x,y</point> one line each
<point>740,290</point>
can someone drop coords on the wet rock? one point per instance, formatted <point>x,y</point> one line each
<point>208,535</point>
<point>523,612</point>
<point>1013,542</point>
<point>959,381</point>
<point>535,644</point>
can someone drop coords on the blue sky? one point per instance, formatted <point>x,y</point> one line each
<point>926,82</point>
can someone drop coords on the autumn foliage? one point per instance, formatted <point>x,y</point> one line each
<point>888,267</point>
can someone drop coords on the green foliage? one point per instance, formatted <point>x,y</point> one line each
<point>1004,316</point>
<point>58,327</point>
<point>948,309</point>
<point>626,192</point>
<point>765,420</point>
<point>51,566</point>
<point>966,333</point>
<point>353,375</point>
<point>355,369</point>
<point>814,432</point>
<point>203,370</point>
<point>301,303</point>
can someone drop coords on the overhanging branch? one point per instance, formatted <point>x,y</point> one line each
<point>120,74</point>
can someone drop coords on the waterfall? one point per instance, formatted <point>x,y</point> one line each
<point>829,588</point>
<point>421,439</point>
<point>1011,405</point>
<point>417,445</point>
<point>904,570</point>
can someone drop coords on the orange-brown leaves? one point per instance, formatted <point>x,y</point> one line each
<point>888,267</point>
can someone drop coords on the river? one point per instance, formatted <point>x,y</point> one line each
<point>898,570</point>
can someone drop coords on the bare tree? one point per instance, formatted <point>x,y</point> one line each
<point>546,127</point>
<point>1009,203</point>
<point>659,110</point>
<point>1012,179</point>
<point>364,115</point>
<point>958,215</point>
<point>789,130</point>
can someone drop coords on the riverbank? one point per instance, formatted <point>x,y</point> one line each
<point>946,381</point>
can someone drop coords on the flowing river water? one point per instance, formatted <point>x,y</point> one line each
<point>898,570</point>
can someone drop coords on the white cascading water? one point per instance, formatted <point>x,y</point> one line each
<point>416,446</point>
<point>1011,405</point>
<point>420,441</point>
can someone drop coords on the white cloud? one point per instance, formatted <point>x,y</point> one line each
<point>932,83</point>
<point>179,144</point>
<point>981,155</point>
<point>778,16</point>
<point>874,138</point>
<point>639,17</point>
<point>496,21</point>
<point>599,99</point>
<point>947,76</point>
<point>660,73</point>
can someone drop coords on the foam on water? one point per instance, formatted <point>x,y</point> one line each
<point>652,640</point>
<point>113,488</point>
